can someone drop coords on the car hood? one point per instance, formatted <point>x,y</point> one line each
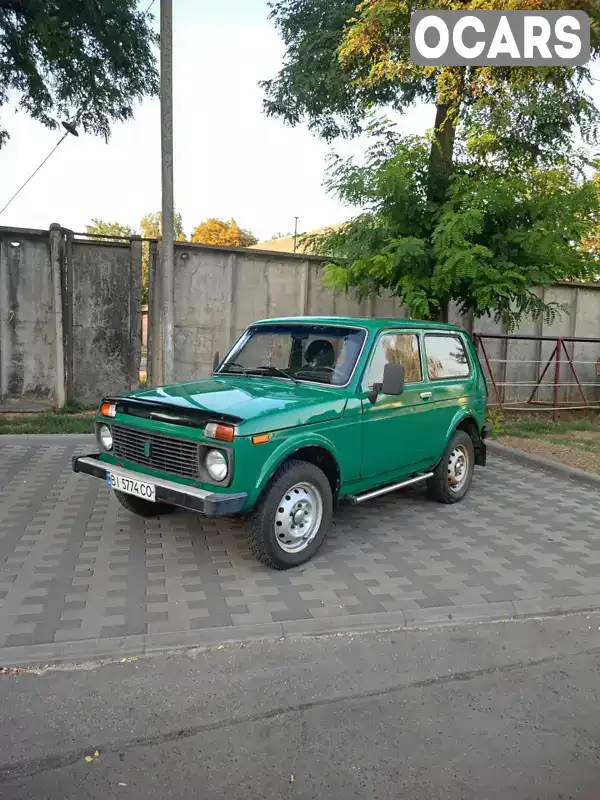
<point>257,404</point>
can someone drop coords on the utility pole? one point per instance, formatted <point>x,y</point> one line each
<point>168,213</point>
<point>295,231</point>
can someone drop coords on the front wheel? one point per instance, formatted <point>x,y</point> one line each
<point>453,475</point>
<point>293,516</point>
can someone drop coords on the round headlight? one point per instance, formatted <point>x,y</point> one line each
<point>216,465</point>
<point>105,436</point>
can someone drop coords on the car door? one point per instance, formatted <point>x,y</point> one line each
<point>450,379</point>
<point>394,428</point>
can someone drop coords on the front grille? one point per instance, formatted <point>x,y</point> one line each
<point>175,456</point>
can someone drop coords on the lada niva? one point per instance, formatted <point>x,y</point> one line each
<point>301,414</point>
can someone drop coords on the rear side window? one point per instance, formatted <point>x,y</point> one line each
<point>446,357</point>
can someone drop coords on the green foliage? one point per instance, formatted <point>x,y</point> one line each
<point>495,418</point>
<point>74,407</point>
<point>151,227</point>
<point>99,227</point>
<point>312,85</point>
<point>344,58</point>
<point>507,226</point>
<point>46,423</point>
<point>77,60</point>
<point>487,207</point>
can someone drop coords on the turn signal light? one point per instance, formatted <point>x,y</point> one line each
<point>263,438</point>
<point>225,433</point>
<point>108,409</point>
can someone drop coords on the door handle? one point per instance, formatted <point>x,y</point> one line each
<point>426,395</point>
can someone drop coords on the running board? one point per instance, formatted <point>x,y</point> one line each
<point>355,499</point>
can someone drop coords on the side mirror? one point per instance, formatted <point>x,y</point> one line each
<point>393,382</point>
<point>393,379</point>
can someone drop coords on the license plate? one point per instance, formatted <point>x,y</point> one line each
<point>146,491</point>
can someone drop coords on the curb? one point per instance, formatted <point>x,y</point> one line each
<point>47,438</point>
<point>87,650</point>
<point>540,462</point>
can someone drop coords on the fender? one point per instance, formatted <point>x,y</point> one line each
<point>286,449</point>
<point>462,414</point>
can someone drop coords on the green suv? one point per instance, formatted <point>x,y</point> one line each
<point>302,413</point>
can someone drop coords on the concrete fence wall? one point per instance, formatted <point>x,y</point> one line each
<point>220,291</point>
<point>70,316</point>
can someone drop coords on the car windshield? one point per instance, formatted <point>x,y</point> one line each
<point>302,352</point>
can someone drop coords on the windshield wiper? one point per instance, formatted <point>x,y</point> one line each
<point>257,370</point>
<point>270,368</point>
<point>225,368</point>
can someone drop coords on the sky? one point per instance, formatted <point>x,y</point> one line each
<point>230,159</point>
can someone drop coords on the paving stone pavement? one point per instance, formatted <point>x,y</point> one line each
<point>74,565</point>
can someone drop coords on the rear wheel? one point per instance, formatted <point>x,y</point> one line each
<point>453,475</point>
<point>143,508</point>
<point>293,516</point>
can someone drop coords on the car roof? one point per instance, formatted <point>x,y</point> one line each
<point>371,323</point>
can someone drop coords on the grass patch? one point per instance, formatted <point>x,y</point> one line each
<point>47,423</point>
<point>535,429</point>
<point>573,440</point>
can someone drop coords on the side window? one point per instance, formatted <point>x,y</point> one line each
<point>446,357</point>
<point>396,348</point>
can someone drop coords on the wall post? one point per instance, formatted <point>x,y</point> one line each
<point>135,310</point>
<point>57,266</point>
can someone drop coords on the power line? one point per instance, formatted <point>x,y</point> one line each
<point>150,6</point>
<point>60,141</point>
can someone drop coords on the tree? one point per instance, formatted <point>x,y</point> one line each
<point>151,227</point>
<point>281,235</point>
<point>504,229</point>
<point>99,227</point>
<point>217,232</point>
<point>342,61</point>
<point>76,60</point>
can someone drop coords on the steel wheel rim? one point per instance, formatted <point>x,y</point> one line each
<point>298,517</point>
<point>458,468</point>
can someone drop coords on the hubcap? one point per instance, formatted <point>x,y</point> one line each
<point>458,468</point>
<point>298,517</point>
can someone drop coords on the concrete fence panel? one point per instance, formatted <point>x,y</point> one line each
<point>103,288</point>
<point>28,347</point>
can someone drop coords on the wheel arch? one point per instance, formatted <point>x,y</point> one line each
<point>469,425</point>
<point>314,451</point>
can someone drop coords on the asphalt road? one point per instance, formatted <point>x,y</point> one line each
<point>492,711</point>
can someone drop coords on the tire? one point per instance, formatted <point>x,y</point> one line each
<point>453,475</point>
<point>143,508</point>
<point>299,494</point>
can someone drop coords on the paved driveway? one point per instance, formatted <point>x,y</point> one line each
<point>76,566</point>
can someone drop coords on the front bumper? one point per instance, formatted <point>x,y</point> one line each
<point>208,503</point>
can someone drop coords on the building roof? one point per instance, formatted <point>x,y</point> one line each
<point>286,244</point>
